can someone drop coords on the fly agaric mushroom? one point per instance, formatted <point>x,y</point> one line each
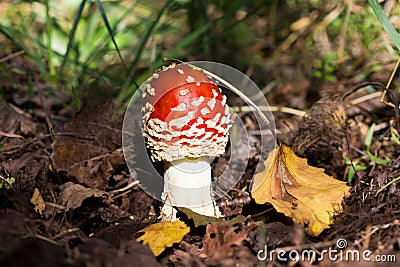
<point>186,123</point>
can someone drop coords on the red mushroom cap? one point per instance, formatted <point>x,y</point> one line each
<point>184,115</point>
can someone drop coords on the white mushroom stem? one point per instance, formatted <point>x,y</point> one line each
<point>187,183</point>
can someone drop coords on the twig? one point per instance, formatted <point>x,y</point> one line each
<point>11,135</point>
<point>5,180</point>
<point>365,98</point>
<point>375,228</point>
<point>388,85</point>
<point>54,205</point>
<point>129,186</point>
<point>13,55</point>
<point>273,109</point>
<point>68,231</point>
<point>42,238</point>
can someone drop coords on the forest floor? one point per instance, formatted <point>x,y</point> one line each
<point>74,202</point>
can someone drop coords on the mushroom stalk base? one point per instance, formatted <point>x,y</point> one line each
<point>187,183</point>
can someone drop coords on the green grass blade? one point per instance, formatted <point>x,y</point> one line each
<point>190,38</point>
<point>16,38</point>
<point>125,92</point>
<point>72,36</point>
<point>110,32</point>
<point>393,136</point>
<point>386,185</point>
<point>49,31</point>
<point>370,135</point>
<point>99,52</point>
<point>387,26</point>
<point>75,98</point>
<point>150,28</point>
<point>378,160</point>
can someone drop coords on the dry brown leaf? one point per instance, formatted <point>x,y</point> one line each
<point>89,146</point>
<point>302,192</point>
<point>15,122</point>
<point>220,238</point>
<point>161,235</point>
<point>38,201</point>
<point>72,195</point>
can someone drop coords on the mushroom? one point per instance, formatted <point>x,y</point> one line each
<point>186,123</point>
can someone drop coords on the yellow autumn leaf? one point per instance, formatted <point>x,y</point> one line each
<point>162,235</point>
<point>302,192</point>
